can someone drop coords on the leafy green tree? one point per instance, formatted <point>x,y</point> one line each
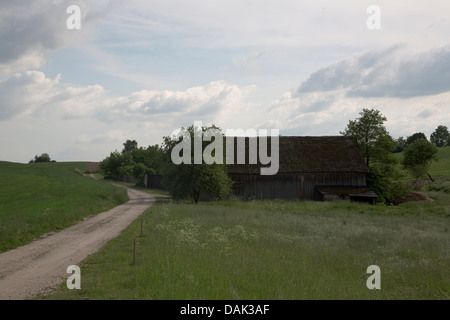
<point>111,165</point>
<point>188,179</point>
<point>133,161</point>
<point>127,164</point>
<point>440,137</point>
<point>401,144</point>
<point>42,158</point>
<point>415,136</point>
<point>377,147</point>
<point>139,172</point>
<point>368,129</point>
<point>418,157</point>
<point>155,158</point>
<point>151,157</point>
<point>129,146</point>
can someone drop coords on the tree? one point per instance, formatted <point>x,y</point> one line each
<point>401,144</point>
<point>377,147</point>
<point>111,165</point>
<point>367,130</point>
<point>418,157</point>
<point>139,172</point>
<point>42,158</point>
<point>133,161</point>
<point>440,137</point>
<point>416,136</point>
<point>129,146</point>
<point>190,179</point>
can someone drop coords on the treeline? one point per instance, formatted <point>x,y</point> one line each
<point>183,181</point>
<point>133,161</point>
<point>440,138</point>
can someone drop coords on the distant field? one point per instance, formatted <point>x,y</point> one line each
<point>441,168</point>
<point>276,250</point>
<point>43,197</point>
<point>438,169</point>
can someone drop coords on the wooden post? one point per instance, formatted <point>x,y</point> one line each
<point>134,251</point>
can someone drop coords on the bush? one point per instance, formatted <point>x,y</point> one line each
<point>396,192</point>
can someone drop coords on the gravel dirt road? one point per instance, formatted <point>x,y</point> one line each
<point>39,266</point>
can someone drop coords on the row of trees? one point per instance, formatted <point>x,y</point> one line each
<point>183,180</point>
<point>133,161</point>
<point>440,138</point>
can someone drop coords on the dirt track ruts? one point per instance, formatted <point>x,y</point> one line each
<point>41,265</point>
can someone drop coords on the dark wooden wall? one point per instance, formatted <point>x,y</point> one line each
<point>290,185</point>
<point>154,181</point>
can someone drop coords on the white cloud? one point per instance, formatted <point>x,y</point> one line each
<point>411,90</point>
<point>295,114</point>
<point>24,93</point>
<point>32,93</point>
<point>250,62</point>
<point>31,29</point>
<point>112,136</point>
<point>394,72</point>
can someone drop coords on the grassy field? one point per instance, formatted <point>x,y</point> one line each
<point>276,250</point>
<point>43,197</point>
<point>438,169</point>
<point>441,168</point>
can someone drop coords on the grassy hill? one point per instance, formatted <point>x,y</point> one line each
<point>43,197</point>
<point>438,169</point>
<point>441,168</point>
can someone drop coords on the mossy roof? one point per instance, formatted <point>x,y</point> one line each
<point>305,154</point>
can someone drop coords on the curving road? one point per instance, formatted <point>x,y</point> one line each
<point>41,265</point>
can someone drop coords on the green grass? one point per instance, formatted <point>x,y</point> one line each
<point>441,168</point>
<point>275,250</point>
<point>43,197</point>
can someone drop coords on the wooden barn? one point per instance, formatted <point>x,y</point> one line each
<point>310,168</point>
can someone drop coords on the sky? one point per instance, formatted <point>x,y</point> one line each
<point>140,69</point>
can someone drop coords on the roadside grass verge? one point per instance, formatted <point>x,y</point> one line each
<point>39,198</point>
<point>275,250</point>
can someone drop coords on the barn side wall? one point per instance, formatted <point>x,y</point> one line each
<point>154,181</point>
<point>290,186</point>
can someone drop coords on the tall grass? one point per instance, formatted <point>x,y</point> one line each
<point>43,197</point>
<point>275,250</point>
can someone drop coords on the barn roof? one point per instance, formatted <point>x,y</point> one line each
<point>326,154</point>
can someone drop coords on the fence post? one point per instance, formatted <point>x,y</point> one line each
<point>134,251</point>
